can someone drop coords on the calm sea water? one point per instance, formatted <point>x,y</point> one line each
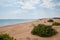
<point>4,22</point>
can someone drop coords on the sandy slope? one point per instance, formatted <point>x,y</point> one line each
<point>23,31</point>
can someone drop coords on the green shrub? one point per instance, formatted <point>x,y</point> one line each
<point>43,30</point>
<point>50,20</point>
<point>56,24</point>
<point>6,37</point>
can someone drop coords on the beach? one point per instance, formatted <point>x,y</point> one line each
<point>22,31</point>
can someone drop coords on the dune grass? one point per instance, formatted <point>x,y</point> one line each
<point>56,24</point>
<point>6,37</point>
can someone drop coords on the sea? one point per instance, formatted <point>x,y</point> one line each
<point>4,22</point>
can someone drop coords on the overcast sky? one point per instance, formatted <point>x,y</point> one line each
<point>29,9</point>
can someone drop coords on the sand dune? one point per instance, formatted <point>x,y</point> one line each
<point>22,31</point>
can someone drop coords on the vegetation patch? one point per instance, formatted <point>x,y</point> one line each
<point>50,20</point>
<point>56,24</point>
<point>43,31</point>
<point>56,18</point>
<point>6,37</point>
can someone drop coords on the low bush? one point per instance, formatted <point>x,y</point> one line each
<point>50,20</point>
<point>56,24</point>
<point>6,37</point>
<point>43,30</point>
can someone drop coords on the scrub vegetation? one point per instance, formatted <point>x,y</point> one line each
<point>43,30</point>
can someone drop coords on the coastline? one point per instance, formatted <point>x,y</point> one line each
<point>22,31</point>
<point>19,22</point>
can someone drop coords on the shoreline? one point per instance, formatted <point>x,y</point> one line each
<point>19,23</point>
<point>22,31</point>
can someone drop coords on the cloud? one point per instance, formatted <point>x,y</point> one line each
<point>8,3</point>
<point>28,4</point>
<point>58,4</point>
<point>47,3</point>
<point>28,9</point>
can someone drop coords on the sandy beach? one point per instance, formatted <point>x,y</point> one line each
<point>22,31</point>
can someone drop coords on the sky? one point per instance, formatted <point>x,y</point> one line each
<point>29,9</point>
